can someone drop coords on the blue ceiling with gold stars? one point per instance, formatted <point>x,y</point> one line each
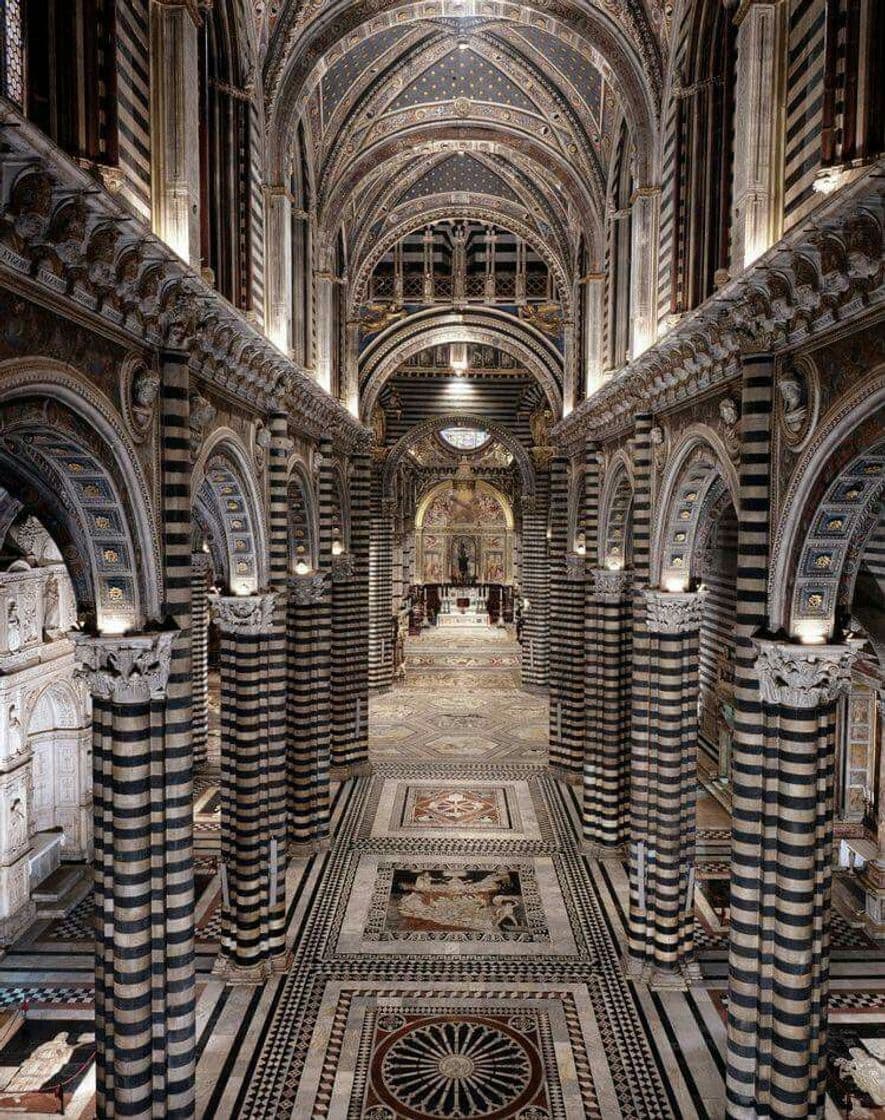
<point>463,73</point>
<point>460,173</point>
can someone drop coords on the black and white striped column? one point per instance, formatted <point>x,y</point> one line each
<point>381,642</point>
<point>173,973</point>
<point>252,850</point>
<point>779,965</point>
<point>200,653</point>
<point>134,976</point>
<point>663,783</point>
<point>535,585</point>
<point>357,755</point>
<point>608,638</point>
<point>276,686</point>
<point>310,636</point>
<point>566,648</point>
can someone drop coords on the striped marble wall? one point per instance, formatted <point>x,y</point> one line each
<point>133,104</point>
<point>805,72</point>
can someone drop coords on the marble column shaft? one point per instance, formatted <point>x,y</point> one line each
<point>535,585</point>
<point>663,786</point>
<point>308,712</point>
<point>608,640</point>
<point>200,654</point>
<point>142,1042</point>
<point>252,846</point>
<point>780,958</point>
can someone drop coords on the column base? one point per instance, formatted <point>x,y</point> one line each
<point>661,979</point>
<point>240,975</point>
<point>561,774</point>
<point>594,850</point>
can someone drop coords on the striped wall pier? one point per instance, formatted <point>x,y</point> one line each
<point>307,711</point>
<point>253,847</point>
<point>608,643</point>
<point>663,786</point>
<point>140,1044</point>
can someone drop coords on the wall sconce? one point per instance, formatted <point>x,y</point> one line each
<point>301,567</point>
<point>613,563</point>
<point>337,548</point>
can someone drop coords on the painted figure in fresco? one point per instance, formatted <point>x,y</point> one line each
<point>463,562</point>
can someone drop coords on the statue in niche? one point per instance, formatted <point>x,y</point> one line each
<point>14,731</point>
<point>13,627</point>
<point>463,562</point>
<point>51,605</point>
<point>18,829</point>
<point>540,422</point>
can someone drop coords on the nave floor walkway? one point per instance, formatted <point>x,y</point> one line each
<point>456,956</point>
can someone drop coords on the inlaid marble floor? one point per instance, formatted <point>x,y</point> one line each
<point>456,955</point>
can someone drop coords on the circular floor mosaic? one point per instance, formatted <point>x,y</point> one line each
<point>453,1068</point>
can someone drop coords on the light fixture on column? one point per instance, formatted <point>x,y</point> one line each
<point>301,565</point>
<point>676,583</point>
<point>337,546</point>
<point>458,357</point>
<point>812,632</point>
<point>113,626</point>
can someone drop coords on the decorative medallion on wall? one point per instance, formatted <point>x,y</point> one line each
<point>797,402</point>
<point>140,391</point>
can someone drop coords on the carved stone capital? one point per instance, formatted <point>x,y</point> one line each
<point>129,669</point>
<point>804,676</point>
<point>342,568</point>
<point>244,614</point>
<point>308,589</point>
<point>673,612</point>
<point>608,584</point>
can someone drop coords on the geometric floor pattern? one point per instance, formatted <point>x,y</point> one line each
<point>457,955</point>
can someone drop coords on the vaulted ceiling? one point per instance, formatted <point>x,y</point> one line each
<point>394,116</point>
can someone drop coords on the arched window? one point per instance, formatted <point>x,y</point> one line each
<point>59,66</point>
<point>705,157</point>
<point>225,151</point>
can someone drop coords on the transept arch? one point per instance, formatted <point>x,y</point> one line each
<point>458,419</point>
<point>390,349</point>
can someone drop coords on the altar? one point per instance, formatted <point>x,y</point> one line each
<point>463,606</point>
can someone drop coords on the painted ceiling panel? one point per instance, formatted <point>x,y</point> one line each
<point>461,174</point>
<point>339,80</point>
<point>578,70</point>
<point>465,74</point>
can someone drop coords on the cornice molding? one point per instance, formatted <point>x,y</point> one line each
<point>827,272</point>
<point>70,245</point>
